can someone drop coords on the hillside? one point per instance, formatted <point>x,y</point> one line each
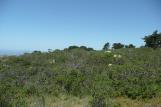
<point>81,78</point>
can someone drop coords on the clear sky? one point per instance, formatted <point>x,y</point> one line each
<point>56,24</point>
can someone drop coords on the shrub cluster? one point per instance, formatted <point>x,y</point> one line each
<point>77,72</point>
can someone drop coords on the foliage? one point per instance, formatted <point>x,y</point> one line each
<point>81,47</point>
<point>78,72</point>
<point>98,101</point>
<point>106,46</point>
<point>129,46</point>
<point>117,46</point>
<point>153,40</point>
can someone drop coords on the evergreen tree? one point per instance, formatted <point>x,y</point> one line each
<point>106,46</point>
<point>153,40</point>
<point>118,45</point>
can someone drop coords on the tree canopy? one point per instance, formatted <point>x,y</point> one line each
<point>118,45</point>
<point>153,40</point>
<point>106,46</point>
<point>130,46</point>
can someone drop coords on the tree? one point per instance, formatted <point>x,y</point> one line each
<point>81,47</point>
<point>85,48</point>
<point>90,49</point>
<point>49,50</point>
<point>130,46</point>
<point>106,46</point>
<point>153,40</point>
<point>36,52</point>
<point>118,45</point>
<point>73,47</point>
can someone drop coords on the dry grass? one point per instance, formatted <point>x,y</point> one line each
<point>126,102</point>
<point>61,101</point>
<point>71,101</point>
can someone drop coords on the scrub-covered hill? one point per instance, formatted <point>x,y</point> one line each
<point>78,77</point>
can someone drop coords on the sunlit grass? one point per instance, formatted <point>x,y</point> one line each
<point>61,101</point>
<point>126,102</point>
<point>71,101</point>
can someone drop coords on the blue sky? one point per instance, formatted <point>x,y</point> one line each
<point>56,24</point>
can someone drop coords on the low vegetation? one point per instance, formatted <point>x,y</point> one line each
<point>82,77</point>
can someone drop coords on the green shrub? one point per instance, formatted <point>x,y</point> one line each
<point>137,75</point>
